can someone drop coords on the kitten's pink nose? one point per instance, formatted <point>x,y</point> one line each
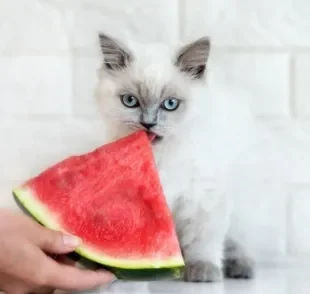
<point>147,125</point>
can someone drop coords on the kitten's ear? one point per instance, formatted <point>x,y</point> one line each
<point>115,55</point>
<point>192,58</point>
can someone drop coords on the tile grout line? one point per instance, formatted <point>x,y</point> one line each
<point>291,187</point>
<point>181,7</point>
<point>262,49</point>
<point>67,28</point>
<point>89,51</point>
<point>48,118</point>
<point>288,208</point>
<point>291,83</point>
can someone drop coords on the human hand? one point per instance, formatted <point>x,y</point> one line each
<point>25,265</point>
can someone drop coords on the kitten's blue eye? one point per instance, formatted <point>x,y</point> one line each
<point>171,104</point>
<point>130,101</point>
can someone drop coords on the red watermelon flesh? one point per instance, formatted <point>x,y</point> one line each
<point>113,200</point>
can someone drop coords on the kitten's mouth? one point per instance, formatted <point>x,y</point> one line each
<point>154,138</point>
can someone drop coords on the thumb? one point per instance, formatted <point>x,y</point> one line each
<point>56,242</point>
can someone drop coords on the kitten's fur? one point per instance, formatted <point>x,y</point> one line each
<point>200,205</point>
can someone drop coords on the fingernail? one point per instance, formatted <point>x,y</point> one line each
<point>113,280</point>
<point>108,276</point>
<point>70,241</point>
<point>111,277</point>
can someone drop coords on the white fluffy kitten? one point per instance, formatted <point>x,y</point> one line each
<point>163,90</point>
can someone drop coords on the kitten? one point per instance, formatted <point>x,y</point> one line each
<point>161,89</point>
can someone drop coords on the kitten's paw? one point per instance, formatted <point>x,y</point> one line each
<point>239,268</point>
<point>202,271</point>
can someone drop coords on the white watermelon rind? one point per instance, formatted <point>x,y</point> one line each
<point>40,212</point>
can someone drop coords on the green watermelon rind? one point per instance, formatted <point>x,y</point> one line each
<point>123,269</point>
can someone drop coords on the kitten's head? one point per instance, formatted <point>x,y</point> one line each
<point>149,87</point>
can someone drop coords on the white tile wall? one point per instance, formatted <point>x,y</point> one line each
<point>251,23</point>
<point>84,78</point>
<point>261,51</point>
<point>32,85</point>
<point>298,219</point>
<point>139,20</point>
<point>302,85</point>
<point>264,77</point>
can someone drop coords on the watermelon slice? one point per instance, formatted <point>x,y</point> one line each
<point>113,200</point>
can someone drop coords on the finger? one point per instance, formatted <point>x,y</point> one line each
<point>43,290</point>
<point>17,290</point>
<point>56,242</point>
<point>71,278</point>
<point>53,255</point>
<point>65,260</point>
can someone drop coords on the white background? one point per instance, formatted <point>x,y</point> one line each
<point>261,50</point>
